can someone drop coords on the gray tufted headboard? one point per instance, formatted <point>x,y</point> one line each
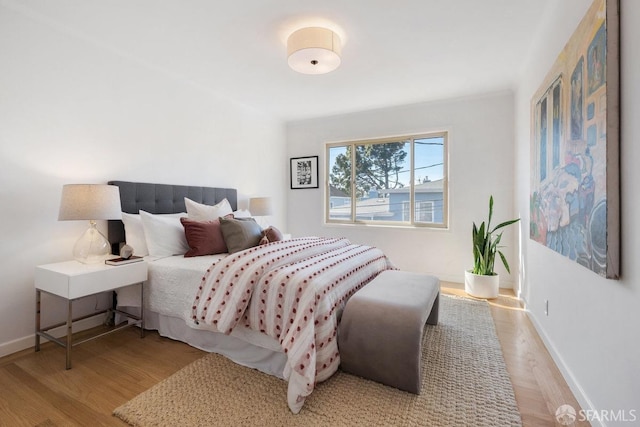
<point>162,199</point>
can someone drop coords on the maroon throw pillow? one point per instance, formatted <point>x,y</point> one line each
<point>203,237</point>
<point>272,234</point>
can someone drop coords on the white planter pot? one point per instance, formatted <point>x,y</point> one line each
<point>481,286</point>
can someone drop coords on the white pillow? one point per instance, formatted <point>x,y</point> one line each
<point>199,212</point>
<point>241,213</point>
<point>134,233</point>
<point>164,234</point>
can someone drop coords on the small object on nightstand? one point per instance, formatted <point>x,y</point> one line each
<point>123,261</point>
<point>126,251</point>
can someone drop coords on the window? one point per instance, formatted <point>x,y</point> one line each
<point>549,125</point>
<point>395,181</point>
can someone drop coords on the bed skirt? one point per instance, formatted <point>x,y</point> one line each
<point>244,347</point>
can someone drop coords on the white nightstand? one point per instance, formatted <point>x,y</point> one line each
<point>72,280</point>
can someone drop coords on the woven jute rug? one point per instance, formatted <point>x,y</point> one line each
<point>465,383</point>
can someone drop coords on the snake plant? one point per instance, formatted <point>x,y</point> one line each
<point>486,245</point>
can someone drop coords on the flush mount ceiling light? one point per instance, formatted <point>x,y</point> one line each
<point>314,50</point>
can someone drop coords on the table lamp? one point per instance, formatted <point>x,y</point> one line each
<point>260,206</point>
<point>90,202</point>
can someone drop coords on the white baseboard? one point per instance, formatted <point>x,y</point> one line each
<point>452,278</point>
<point>29,341</point>
<point>571,380</point>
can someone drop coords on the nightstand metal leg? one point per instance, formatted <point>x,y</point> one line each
<point>66,280</point>
<point>142,310</point>
<point>38,319</point>
<point>69,330</point>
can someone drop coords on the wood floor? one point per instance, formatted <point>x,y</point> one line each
<point>36,390</point>
<point>537,382</point>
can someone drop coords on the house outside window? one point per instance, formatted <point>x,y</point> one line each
<point>406,211</point>
<point>424,211</point>
<point>396,181</point>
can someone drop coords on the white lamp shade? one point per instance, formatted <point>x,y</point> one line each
<point>314,50</point>
<point>90,202</point>
<point>260,206</point>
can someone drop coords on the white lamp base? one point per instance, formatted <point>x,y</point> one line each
<point>92,247</point>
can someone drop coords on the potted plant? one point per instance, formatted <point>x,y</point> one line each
<point>482,281</point>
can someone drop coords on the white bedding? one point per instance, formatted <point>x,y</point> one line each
<point>299,325</point>
<point>293,291</point>
<point>172,282</point>
<point>168,297</point>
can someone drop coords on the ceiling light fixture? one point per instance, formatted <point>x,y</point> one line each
<point>314,50</point>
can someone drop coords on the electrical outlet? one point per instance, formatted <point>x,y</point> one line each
<point>546,307</point>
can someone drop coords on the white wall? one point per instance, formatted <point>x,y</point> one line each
<point>75,112</point>
<point>481,163</point>
<point>592,326</point>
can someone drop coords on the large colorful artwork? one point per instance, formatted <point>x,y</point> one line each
<point>575,196</point>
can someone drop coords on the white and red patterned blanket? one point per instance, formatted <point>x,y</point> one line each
<point>293,291</point>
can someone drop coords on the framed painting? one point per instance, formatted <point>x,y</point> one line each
<point>304,172</point>
<point>575,146</point>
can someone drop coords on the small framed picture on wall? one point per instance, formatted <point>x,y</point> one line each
<point>304,172</point>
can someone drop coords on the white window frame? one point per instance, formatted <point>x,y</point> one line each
<point>412,221</point>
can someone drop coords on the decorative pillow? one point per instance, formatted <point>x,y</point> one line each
<point>164,235</point>
<point>271,234</point>
<point>240,234</point>
<point>203,237</point>
<point>134,233</point>
<point>201,212</point>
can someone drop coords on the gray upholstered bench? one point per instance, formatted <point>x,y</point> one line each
<point>380,334</point>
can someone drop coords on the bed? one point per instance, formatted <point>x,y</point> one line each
<point>274,307</point>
